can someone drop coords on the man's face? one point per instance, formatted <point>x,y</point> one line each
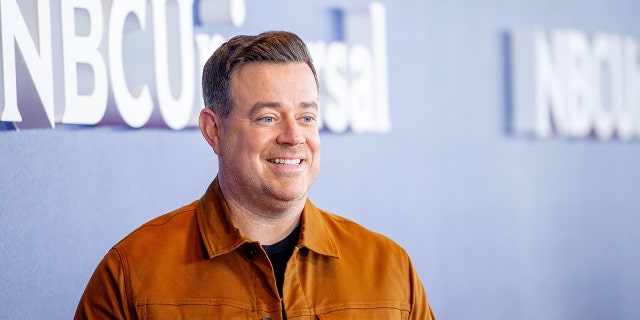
<point>269,144</point>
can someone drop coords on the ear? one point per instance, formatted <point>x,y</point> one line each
<point>210,126</point>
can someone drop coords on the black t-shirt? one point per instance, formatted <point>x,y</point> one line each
<point>279,253</point>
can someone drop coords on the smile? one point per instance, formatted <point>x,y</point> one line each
<point>286,161</point>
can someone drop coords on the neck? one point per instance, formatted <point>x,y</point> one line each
<point>266,230</point>
<point>267,222</point>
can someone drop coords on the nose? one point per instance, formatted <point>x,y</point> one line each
<point>290,133</point>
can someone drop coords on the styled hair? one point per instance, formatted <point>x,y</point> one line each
<point>271,46</point>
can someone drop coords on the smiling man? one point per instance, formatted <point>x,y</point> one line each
<point>254,246</point>
<point>268,146</point>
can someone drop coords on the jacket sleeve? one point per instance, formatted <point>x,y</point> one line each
<point>105,296</point>
<point>420,309</point>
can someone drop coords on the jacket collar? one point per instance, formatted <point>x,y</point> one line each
<point>221,236</point>
<point>314,234</point>
<point>218,233</point>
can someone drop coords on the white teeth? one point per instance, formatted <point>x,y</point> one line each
<point>286,161</point>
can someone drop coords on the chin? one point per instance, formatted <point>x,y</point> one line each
<point>289,194</point>
<point>292,196</point>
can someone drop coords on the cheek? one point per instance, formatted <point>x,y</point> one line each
<point>253,146</point>
<point>314,142</point>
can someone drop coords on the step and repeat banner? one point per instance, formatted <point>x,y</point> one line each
<point>497,142</point>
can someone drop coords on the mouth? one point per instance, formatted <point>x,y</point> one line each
<point>289,162</point>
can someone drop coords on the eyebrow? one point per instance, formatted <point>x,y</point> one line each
<point>309,105</point>
<point>264,105</point>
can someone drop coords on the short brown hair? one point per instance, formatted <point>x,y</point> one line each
<point>271,46</point>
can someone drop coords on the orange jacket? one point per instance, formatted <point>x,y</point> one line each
<point>194,264</point>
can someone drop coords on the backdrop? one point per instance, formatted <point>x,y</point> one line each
<point>499,226</point>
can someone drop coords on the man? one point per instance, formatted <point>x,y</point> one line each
<point>254,246</point>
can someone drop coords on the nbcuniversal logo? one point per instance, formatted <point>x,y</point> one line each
<point>137,63</point>
<point>571,84</point>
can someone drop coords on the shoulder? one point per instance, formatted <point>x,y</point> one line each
<point>164,228</point>
<point>351,235</point>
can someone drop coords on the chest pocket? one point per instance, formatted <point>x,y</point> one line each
<point>193,312</point>
<point>369,313</point>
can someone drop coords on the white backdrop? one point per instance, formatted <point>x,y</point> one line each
<point>499,226</point>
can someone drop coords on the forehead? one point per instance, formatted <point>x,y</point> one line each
<point>274,81</point>
<point>261,70</point>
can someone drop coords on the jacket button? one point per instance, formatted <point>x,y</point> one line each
<point>251,252</point>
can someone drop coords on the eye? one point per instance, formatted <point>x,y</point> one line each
<point>307,119</point>
<point>267,119</point>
